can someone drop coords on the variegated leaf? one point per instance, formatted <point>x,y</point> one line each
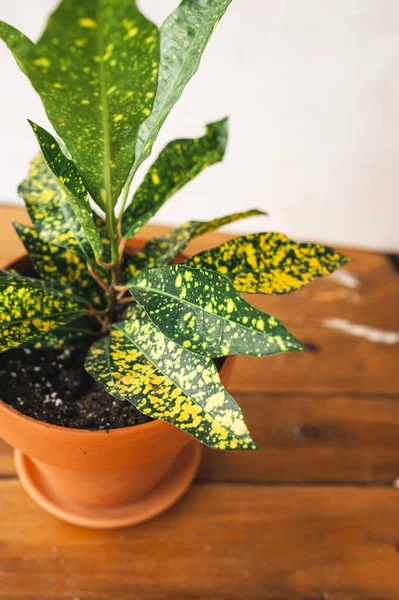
<point>166,382</point>
<point>31,309</point>
<point>77,335</point>
<point>51,286</point>
<point>60,264</point>
<point>176,165</point>
<point>201,311</point>
<point>95,68</point>
<point>207,226</point>
<point>50,210</point>
<point>69,179</point>
<point>161,251</point>
<point>269,263</point>
<point>98,364</point>
<point>184,36</point>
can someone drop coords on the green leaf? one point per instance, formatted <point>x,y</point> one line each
<point>60,264</point>
<point>75,336</point>
<point>201,311</point>
<point>208,226</point>
<point>52,286</point>
<point>95,68</point>
<point>161,251</point>
<point>166,382</point>
<point>31,309</point>
<point>50,210</point>
<point>269,263</point>
<point>177,164</point>
<point>69,179</point>
<point>184,36</point>
<point>98,364</point>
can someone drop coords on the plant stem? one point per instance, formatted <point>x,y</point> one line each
<point>98,279</point>
<point>125,196</point>
<point>126,300</point>
<point>110,218</point>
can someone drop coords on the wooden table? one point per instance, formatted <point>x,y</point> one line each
<point>314,515</point>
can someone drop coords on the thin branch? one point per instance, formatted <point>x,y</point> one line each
<point>126,300</point>
<point>122,292</point>
<point>98,279</point>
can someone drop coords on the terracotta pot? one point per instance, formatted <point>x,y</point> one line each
<point>101,479</point>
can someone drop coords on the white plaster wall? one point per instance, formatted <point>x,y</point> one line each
<point>312,89</point>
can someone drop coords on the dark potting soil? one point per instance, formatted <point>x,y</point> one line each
<point>53,386</point>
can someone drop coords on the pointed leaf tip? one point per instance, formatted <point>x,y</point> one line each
<point>71,182</point>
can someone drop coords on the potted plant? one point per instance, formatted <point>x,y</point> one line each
<point>117,444</point>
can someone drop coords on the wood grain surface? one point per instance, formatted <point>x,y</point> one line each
<point>313,515</point>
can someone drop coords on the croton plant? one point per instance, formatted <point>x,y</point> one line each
<point>108,79</point>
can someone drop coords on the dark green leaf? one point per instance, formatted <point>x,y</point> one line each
<point>177,164</point>
<point>56,263</point>
<point>95,68</point>
<point>184,36</point>
<point>161,251</point>
<point>31,309</point>
<point>67,175</point>
<point>269,263</point>
<point>166,382</point>
<point>50,210</point>
<point>201,311</point>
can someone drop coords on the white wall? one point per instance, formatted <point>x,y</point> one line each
<point>312,88</point>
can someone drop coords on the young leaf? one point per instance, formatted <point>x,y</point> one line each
<point>269,263</point>
<point>95,68</point>
<point>161,251</point>
<point>166,382</point>
<point>201,311</point>
<point>50,210</point>
<point>98,364</point>
<point>184,36</point>
<point>30,309</point>
<point>67,175</point>
<point>177,164</point>
<point>56,263</point>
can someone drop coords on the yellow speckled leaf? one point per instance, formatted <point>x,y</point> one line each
<point>166,382</point>
<point>97,363</point>
<point>31,309</point>
<point>177,164</point>
<point>77,335</point>
<point>269,263</point>
<point>70,180</point>
<point>50,210</point>
<point>201,311</point>
<point>54,263</point>
<point>162,250</point>
<point>95,68</point>
<point>184,36</point>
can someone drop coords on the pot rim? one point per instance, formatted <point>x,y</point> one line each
<point>142,428</point>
